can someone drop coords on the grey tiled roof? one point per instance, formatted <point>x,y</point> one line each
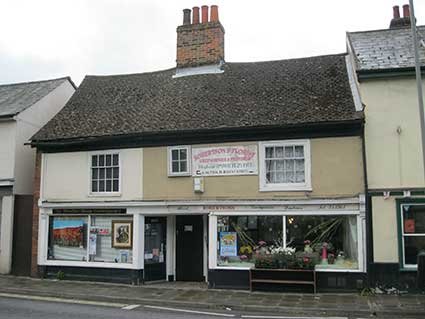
<point>275,93</point>
<point>385,49</point>
<point>15,98</point>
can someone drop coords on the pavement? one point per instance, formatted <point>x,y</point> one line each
<point>197,296</point>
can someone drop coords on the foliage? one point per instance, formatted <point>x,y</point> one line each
<point>60,275</point>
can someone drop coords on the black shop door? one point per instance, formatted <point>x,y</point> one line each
<point>189,248</point>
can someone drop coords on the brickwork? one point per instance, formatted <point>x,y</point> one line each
<point>200,44</point>
<point>35,214</point>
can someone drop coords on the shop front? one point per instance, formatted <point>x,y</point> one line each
<point>217,242</point>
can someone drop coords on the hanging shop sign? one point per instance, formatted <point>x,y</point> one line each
<point>225,160</point>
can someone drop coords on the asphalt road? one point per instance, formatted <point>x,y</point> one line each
<point>12,308</point>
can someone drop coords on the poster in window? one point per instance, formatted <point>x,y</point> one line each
<point>409,225</point>
<point>122,234</point>
<point>228,244</point>
<point>92,243</point>
<point>68,233</point>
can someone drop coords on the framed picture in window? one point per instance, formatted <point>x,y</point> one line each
<point>122,234</point>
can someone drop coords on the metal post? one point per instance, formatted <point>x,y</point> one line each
<point>418,79</point>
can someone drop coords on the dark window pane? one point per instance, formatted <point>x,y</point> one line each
<point>95,172</point>
<point>101,186</point>
<point>175,167</point>
<point>412,246</point>
<point>108,185</point>
<point>108,160</point>
<point>101,173</point>
<point>109,173</point>
<point>183,154</point>
<point>94,186</point>
<point>116,172</point>
<point>94,160</point>
<point>183,166</point>
<point>414,219</point>
<point>174,155</point>
<point>115,185</point>
<point>115,160</point>
<point>101,160</point>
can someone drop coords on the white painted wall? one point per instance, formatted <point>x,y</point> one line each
<point>7,149</point>
<point>28,123</point>
<point>6,234</point>
<point>394,160</point>
<point>66,176</point>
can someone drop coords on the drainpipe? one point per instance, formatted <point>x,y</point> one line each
<point>418,79</point>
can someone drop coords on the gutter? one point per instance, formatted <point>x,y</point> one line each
<point>386,73</point>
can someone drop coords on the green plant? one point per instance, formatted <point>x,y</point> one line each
<point>60,275</point>
<point>325,231</point>
<point>265,262</point>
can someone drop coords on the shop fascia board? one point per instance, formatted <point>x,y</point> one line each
<point>161,204</point>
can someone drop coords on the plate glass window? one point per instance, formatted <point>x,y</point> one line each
<point>105,173</point>
<point>179,161</point>
<point>413,233</point>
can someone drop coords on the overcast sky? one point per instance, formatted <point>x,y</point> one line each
<point>42,39</point>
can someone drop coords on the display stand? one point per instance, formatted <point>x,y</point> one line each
<point>282,276</point>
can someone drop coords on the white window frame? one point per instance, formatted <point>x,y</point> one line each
<point>189,160</point>
<point>213,240</point>
<point>403,235</point>
<point>43,240</point>
<point>268,187</point>
<point>112,193</point>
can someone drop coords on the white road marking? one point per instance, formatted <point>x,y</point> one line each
<point>130,307</point>
<point>191,311</point>
<point>293,317</point>
<point>63,300</point>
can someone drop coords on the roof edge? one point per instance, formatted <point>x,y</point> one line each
<point>316,129</point>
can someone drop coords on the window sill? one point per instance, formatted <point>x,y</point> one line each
<point>90,264</point>
<point>285,188</point>
<point>317,270</point>
<point>179,175</point>
<point>118,194</point>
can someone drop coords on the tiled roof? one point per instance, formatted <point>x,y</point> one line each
<point>275,93</point>
<point>15,98</point>
<point>385,49</point>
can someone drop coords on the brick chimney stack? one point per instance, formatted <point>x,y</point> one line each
<point>200,43</point>
<point>397,21</point>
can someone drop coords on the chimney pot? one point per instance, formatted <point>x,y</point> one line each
<point>195,17</point>
<point>186,16</point>
<point>396,12</point>
<point>406,11</point>
<point>214,14</point>
<point>204,14</point>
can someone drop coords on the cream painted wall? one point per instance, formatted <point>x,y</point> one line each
<point>337,171</point>
<point>7,149</point>
<point>28,123</point>
<point>66,176</point>
<point>385,241</point>
<point>393,160</point>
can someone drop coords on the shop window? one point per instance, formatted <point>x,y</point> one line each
<point>299,241</point>
<point>285,165</point>
<point>330,242</point>
<point>179,161</point>
<point>413,233</point>
<point>239,237</point>
<point>105,173</point>
<point>91,238</point>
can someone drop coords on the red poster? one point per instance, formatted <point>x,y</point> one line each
<point>409,225</point>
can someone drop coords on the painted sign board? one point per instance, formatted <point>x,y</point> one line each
<point>225,160</point>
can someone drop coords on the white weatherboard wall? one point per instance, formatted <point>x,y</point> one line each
<point>66,176</point>
<point>7,149</point>
<point>28,123</point>
<point>6,234</point>
<point>393,137</point>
